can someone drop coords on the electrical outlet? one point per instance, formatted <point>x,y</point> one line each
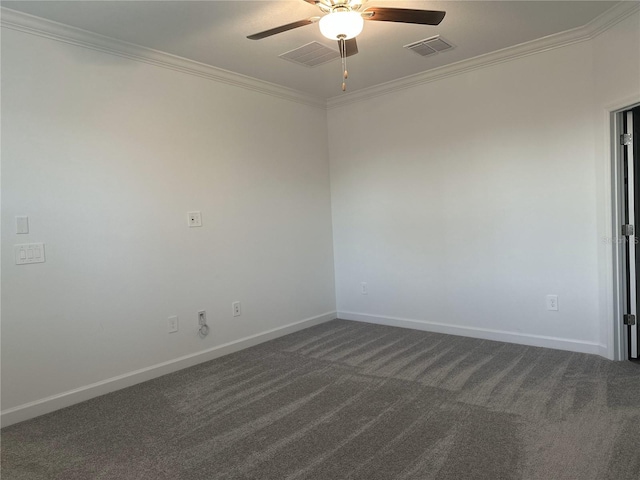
<point>363,288</point>
<point>202,321</point>
<point>236,309</point>
<point>172,324</point>
<point>194,219</point>
<point>552,302</point>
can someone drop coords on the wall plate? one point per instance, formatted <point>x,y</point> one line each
<point>26,253</point>
<point>194,219</point>
<point>22,225</point>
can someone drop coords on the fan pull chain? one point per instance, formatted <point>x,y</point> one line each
<point>343,57</point>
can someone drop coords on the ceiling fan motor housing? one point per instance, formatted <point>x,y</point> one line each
<point>333,5</point>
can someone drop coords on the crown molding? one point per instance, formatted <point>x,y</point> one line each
<point>589,31</point>
<point>611,17</point>
<point>60,32</point>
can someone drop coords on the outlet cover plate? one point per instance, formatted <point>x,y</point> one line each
<point>552,302</point>
<point>172,324</point>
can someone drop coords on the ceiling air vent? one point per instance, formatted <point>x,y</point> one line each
<point>312,54</point>
<point>429,46</point>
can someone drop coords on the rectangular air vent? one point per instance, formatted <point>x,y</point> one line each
<point>312,54</point>
<point>429,46</point>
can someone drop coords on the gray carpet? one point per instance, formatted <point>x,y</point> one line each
<point>347,400</point>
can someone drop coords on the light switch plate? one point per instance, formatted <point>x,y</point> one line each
<point>22,225</point>
<point>194,219</point>
<point>27,253</point>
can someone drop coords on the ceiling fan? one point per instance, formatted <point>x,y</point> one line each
<point>344,20</point>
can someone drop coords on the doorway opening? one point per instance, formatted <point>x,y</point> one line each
<point>627,237</point>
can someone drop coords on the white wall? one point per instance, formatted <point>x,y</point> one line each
<point>106,156</point>
<point>465,201</point>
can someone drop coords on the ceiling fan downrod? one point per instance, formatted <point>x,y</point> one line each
<point>343,56</point>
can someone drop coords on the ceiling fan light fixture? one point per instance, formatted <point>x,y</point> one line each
<point>336,24</point>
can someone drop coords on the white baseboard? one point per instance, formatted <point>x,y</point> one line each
<point>71,397</point>
<point>606,352</point>
<point>483,333</point>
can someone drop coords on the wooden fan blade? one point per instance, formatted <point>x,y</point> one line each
<point>282,28</point>
<point>351,46</point>
<point>404,15</point>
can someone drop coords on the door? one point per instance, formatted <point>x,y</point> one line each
<point>630,140</point>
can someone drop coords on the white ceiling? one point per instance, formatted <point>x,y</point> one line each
<point>214,33</point>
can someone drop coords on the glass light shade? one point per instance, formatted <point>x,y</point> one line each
<point>335,24</point>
